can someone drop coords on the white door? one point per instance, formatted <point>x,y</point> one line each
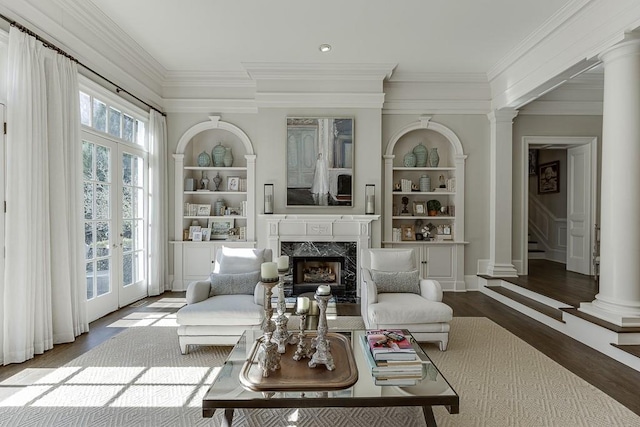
<point>579,221</point>
<point>115,225</point>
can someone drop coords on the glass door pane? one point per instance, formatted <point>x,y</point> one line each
<point>133,225</point>
<point>98,226</point>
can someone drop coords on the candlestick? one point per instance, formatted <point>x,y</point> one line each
<point>323,290</point>
<point>269,271</point>
<point>303,350</point>
<point>323,355</point>
<point>282,336</point>
<point>268,356</point>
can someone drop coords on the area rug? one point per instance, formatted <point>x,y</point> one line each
<point>139,378</point>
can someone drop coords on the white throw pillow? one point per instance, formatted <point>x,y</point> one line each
<point>239,260</point>
<point>234,284</point>
<point>396,260</point>
<point>397,281</point>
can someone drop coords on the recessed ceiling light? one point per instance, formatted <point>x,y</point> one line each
<point>325,47</point>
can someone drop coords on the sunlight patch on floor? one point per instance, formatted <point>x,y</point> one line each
<point>139,319</point>
<point>96,386</point>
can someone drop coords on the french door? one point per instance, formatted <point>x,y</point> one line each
<point>115,220</point>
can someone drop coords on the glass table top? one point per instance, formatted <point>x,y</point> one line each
<point>227,391</point>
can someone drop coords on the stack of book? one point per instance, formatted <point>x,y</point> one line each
<point>391,357</point>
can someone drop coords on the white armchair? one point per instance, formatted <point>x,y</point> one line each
<point>393,296</point>
<point>230,301</point>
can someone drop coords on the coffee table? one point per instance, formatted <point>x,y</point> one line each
<point>227,393</point>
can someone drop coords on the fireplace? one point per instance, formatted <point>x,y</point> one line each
<point>322,235</point>
<point>308,272</point>
<point>338,257</point>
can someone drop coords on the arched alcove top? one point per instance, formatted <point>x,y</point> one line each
<point>426,123</point>
<point>213,123</point>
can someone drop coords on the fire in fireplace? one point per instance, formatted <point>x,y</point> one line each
<point>311,271</point>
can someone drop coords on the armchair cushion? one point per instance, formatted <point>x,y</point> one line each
<point>234,284</point>
<point>392,260</point>
<point>407,309</point>
<point>396,281</point>
<point>239,260</point>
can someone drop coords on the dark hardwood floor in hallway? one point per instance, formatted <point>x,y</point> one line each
<point>552,280</point>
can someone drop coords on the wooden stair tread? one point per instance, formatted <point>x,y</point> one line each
<point>554,313</point>
<point>634,350</point>
<point>603,323</point>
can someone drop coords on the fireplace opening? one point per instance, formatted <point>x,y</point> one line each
<point>309,272</point>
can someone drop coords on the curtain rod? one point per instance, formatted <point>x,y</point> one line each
<point>52,46</point>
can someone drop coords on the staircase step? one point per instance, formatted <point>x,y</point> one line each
<point>552,312</point>
<point>631,349</point>
<point>602,323</point>
<point>536,250</point>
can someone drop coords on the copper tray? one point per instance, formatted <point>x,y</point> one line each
<point>297,375</point>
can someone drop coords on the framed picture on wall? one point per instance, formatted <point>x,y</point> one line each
<point>549,177</point>
<point>320,155</point>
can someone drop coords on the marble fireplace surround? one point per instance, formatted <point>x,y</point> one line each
<point>323,235</point>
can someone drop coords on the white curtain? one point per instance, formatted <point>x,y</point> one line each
<point>158,209</point>
<point>44,293</point>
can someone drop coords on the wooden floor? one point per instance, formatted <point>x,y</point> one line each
<point>552,280</point>
<point>615,379</point>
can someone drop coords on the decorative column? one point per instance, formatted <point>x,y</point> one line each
<point>500,215</point>
<point>618,300</point>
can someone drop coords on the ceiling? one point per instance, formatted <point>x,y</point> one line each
<point>418,36</point>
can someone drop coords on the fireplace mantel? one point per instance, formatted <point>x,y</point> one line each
<point>302,227</point>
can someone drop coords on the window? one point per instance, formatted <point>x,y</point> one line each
<point>106,117</point>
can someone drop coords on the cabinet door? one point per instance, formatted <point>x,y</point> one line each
<point>440,262</point>
<point>198,261</point>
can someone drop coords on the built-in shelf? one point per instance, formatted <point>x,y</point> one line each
<point>426,193</point>
<point>413,217</point>
<point>211,193</point>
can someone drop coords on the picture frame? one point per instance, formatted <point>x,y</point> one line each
<point>220,227</point>
<point>204,210</point>
<point>193,229</point>
<point>320,158</point>
<point>408,232</point>
<point>206,234</point>
<point>549,177</point>
<point>233,183</point>
<point>197,236</point>
<point>419,208</point>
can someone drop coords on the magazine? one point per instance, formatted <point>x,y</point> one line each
<point>390,344</point>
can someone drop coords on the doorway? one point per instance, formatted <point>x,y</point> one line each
<point>115,206</point>
<point>581,198</point>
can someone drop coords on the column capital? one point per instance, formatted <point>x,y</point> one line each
<point>502,115</point>
<point>630,45</point>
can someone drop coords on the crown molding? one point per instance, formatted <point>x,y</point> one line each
<point>403,77</point>
<point>228,106</point>
<point>55,21</point>
<point>548,27</point>
<point>319,100</point>
<point>562,108</point>
<point>436,107</point>
<point>92,17</point>
<point>299,71</point>
<point>207,79</point>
